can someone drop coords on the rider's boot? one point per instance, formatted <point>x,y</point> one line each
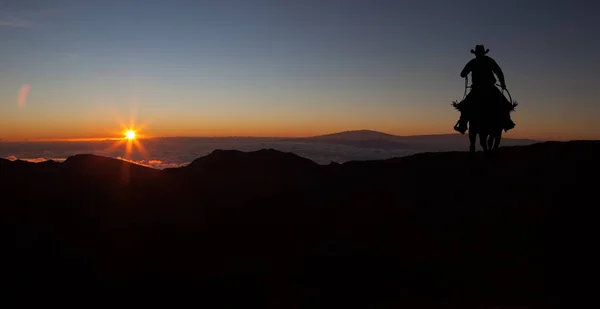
<point>461,125</point>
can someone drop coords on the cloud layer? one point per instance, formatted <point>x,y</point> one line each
<point>173,152</point>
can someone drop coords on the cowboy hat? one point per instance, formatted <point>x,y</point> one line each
<point>479,49</point>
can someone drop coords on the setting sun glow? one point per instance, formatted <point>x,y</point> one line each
<point>131,137</point>
<point>130,134</point>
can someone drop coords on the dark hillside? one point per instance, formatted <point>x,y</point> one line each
<point>273,230</point>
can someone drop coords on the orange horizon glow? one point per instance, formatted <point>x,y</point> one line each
<point>92,127</point>
<point>95,125</point>
<point>122,138</point>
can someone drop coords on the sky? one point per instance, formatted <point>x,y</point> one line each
<point>77,69</point>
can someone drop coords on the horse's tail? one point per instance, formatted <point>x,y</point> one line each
<point>458,105</point>
<point>455,104</point>
<point>514,105</point>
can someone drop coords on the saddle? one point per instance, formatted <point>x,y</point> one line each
<point>486,95</point>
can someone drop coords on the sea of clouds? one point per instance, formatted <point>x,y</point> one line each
<point>162,153</point>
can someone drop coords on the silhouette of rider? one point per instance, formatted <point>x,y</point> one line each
<point>482,69</point>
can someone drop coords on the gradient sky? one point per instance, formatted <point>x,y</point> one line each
<point>75,69</point>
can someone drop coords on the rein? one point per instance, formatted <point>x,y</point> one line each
<point>508,92</point>
<point>467,87</point>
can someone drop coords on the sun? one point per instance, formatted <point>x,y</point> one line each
<point>130,134</point>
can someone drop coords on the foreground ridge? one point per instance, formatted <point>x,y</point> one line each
<point>275,230</point>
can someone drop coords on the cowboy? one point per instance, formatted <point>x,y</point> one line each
<point>482,69</point>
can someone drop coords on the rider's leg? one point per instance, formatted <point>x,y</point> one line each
<point>461,125</point>
<point>472,140</point>
<point>508,123</point>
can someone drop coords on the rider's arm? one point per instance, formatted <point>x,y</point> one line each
<point>496,68</point>
<point>466,70</point>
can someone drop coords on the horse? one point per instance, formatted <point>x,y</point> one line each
<point>486,118</point>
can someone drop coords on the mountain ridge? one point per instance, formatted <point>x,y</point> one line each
<point>449,229</point>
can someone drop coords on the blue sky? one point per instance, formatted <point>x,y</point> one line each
<point>290,67</point>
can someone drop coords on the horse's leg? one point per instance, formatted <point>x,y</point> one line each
<point>472,138</point>
<point>497,139</point>
<point>483,141</point>
<point>490,142</point>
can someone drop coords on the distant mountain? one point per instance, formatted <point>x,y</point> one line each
<point>418,143</point>
<point>361,135</point>
<point>269,229</point>
<point>356,135</point>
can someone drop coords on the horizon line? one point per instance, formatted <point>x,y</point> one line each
<point>101,139</point>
